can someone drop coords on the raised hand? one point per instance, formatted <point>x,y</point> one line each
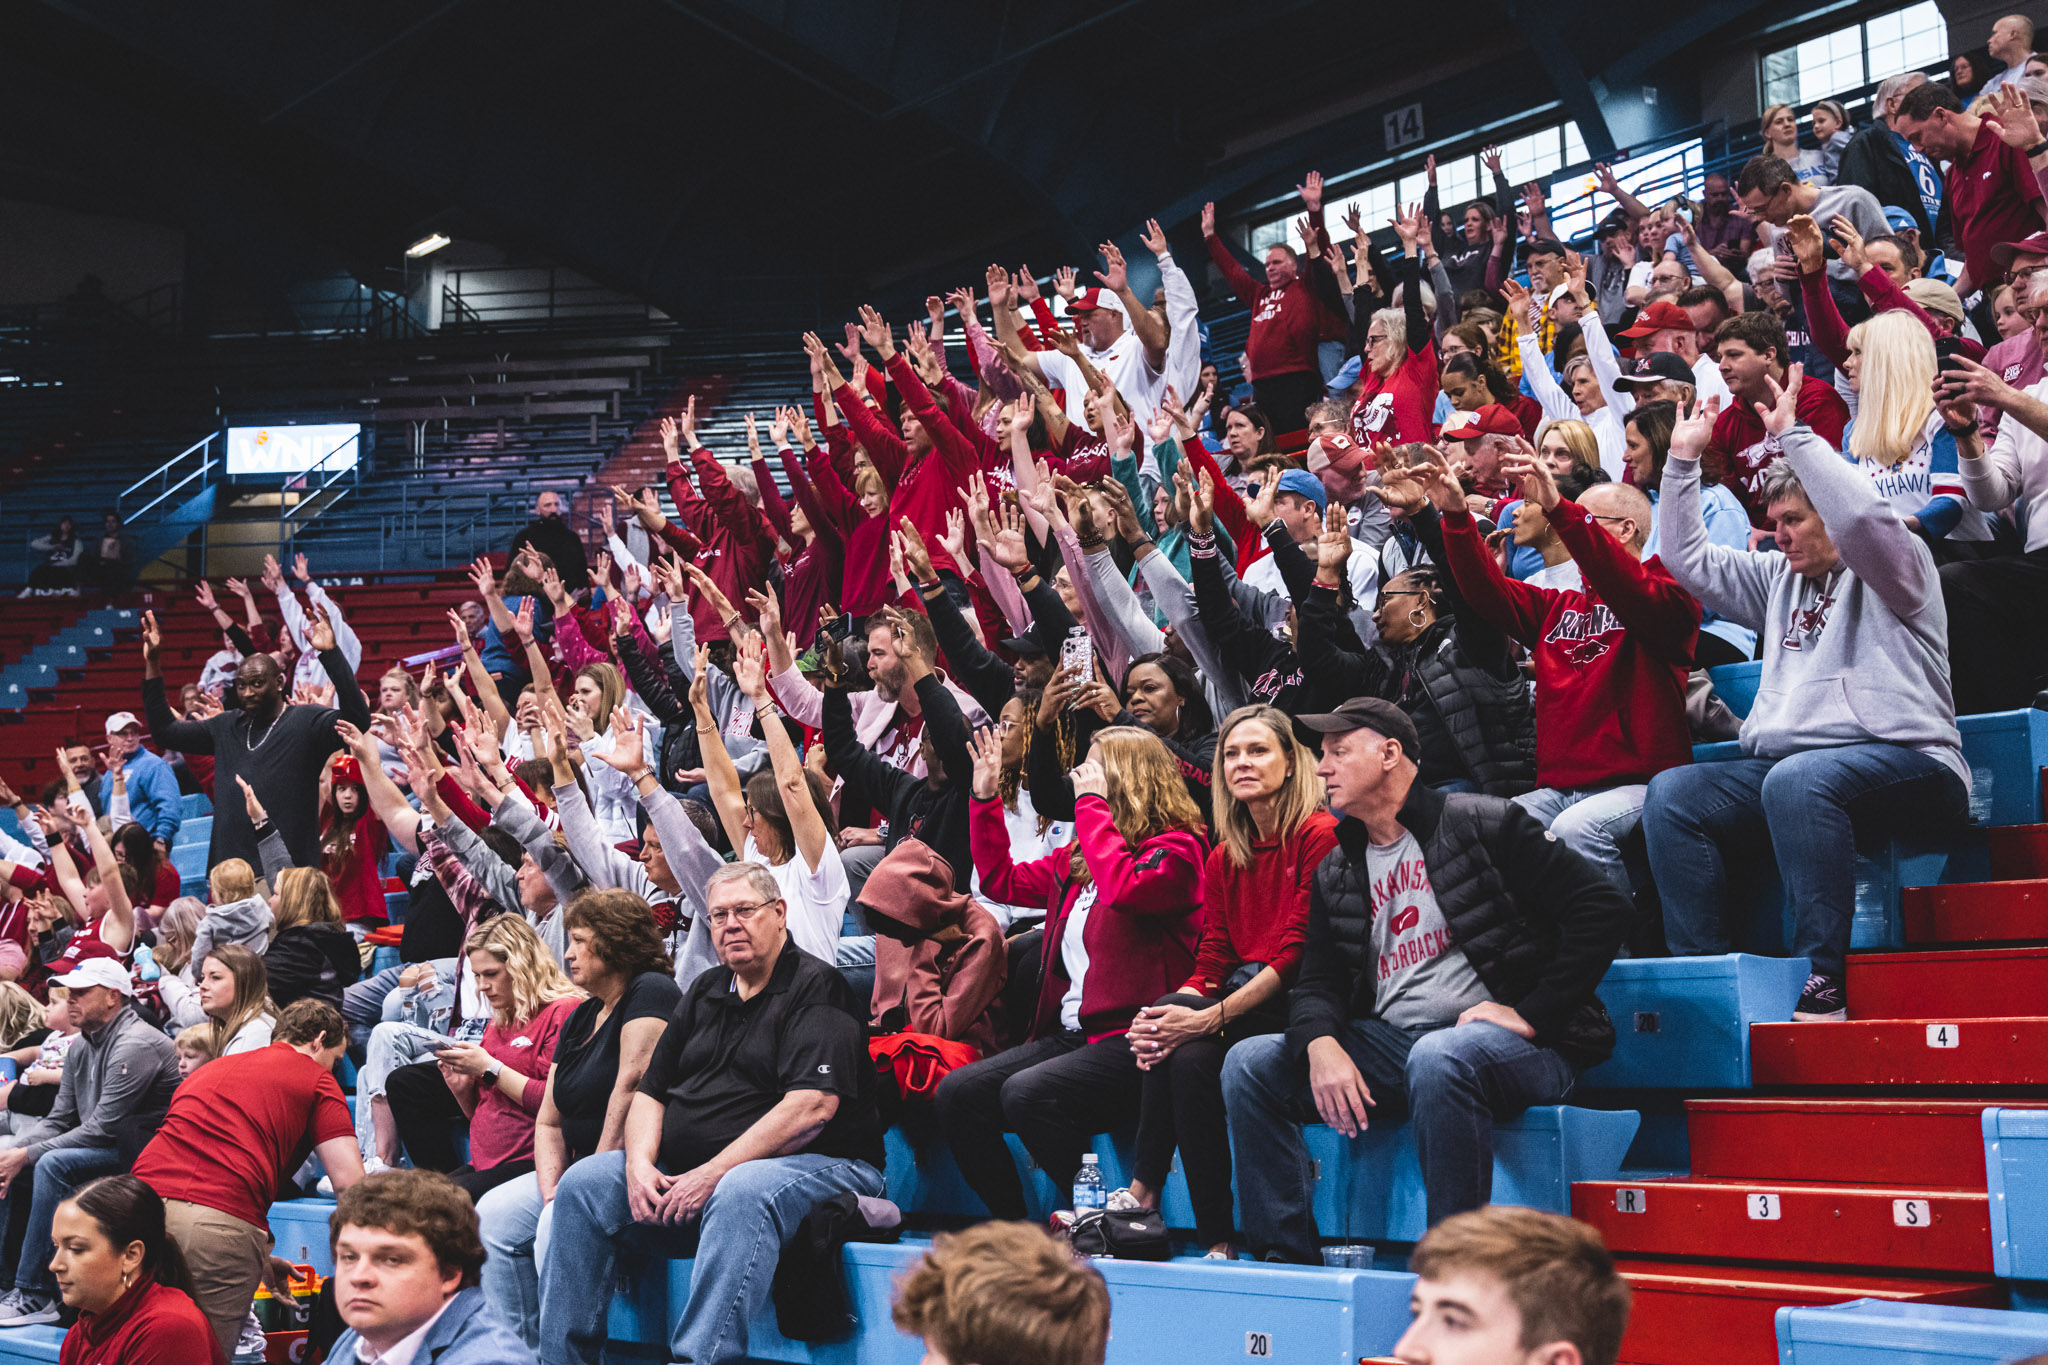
<point>917,557</point>
<point>241,590</point>
<point>299,569</point>
<point>1260,509</point>
<point>204,592</point>
<point>850,348</point>
<point>320,635</point>
<point>876,329</point>
<point>1006,542</point>
<point>1202,507</point>
<point>273,576</point>
<point>1808,246</point>
<point>1695,428</point>
<point>1063,281</point>
<point>955,539</point>
<point>1780,415</point>
<point>629,751</point>
<point>686,422</point>
<point>1849,243</point>
<point>1154,238</point>
<point>749,669</point>
<point>485,578</point>
<point>1489,157</point>
<point>987,748</point>
<point>152,637</point>
<point>999,287</point>
<point>460,627</point>
<point>1116,279</point>
<point>1538,484</point>
<point>2012,114</point>
<point>768,608</point>
<point>1208,220</point>
<point>1311,188</point>
<point>1333,546</point>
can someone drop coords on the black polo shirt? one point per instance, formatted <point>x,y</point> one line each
<point>723,1062</point>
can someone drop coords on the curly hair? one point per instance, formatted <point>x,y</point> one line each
<point>537,979</point>
<point>424,1204</point>
<point>622,931</point>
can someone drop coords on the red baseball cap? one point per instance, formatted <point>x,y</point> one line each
<point>2002,254</point>
<point>1088,300</point>
<point>1661,316</point>
<point>1491,420</point>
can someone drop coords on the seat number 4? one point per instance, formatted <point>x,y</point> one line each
<point>1762,1207</point>
<point>1258,1344</point>
<point>1944,1035</point>
<point>1912,1213</point>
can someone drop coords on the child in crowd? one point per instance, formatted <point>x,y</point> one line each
<point>195,1049</point>
<point>35,1091</point>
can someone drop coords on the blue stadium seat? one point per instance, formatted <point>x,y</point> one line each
<point>21,1345</point>
<point>1878,1331</point>
<point>190,860</point>
<point>1735,684</point>
<point>1172,1310</point>
<point>2016,1174</point>
<point>196,804</point>
<point>196,830</point>
<point>383,956</point>
<point>1683,1022</point>
<point>299,1227</point>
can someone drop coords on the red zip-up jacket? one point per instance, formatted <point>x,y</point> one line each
<point>1140,936</point>
<point>1611,659</point>
<point>736,538</point>
<point>924,487</point>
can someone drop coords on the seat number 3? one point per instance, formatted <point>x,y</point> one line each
<point>1762,1207</point>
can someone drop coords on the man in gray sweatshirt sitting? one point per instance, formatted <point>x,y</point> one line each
<point>1853,735</point>
<point>117,1085</point>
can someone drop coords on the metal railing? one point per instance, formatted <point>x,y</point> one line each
<point>167,482</point>
<point>309,504</point>
<point>498,296</point>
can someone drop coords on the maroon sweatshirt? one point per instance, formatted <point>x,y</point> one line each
<point>1287,323</point>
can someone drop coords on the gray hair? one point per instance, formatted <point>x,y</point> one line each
<point>759,880</point>
<point>1781,481</point>
<point>1395,321</point>
<point>1892,87</point>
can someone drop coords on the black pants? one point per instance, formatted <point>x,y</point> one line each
<point>1997,630</point>
<point>428,1119</point>
<point>1285,398</point>
<point>1181,1106</point>
<point>1054,1093</point>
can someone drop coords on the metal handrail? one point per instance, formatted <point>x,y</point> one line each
<point>163,472</point>
<point>306,496</point>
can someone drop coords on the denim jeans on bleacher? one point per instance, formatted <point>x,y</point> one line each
<point>737,1242</point>
<point>1812,810</point>
<point>1591,821</point>
<point>35,1195</point>
<point>513,1222</point>
<point>1452,1083</point>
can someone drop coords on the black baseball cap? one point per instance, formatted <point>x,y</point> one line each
<point>1659,368</point>
<point>1025,645</point>
<point>1369,713</point>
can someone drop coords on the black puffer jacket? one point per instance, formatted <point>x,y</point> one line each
<point>1534,919</point>
<point>312,959</point>
<point>1462,664</point>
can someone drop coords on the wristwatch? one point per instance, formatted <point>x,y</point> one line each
<point>492,1071</point>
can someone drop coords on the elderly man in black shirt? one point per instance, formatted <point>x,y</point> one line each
<point>278,747</point>
<point>758,1106</point>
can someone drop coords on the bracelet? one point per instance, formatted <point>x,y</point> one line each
<point>934,586</point>
<point>1028,571</point>
<point>2037,149</point>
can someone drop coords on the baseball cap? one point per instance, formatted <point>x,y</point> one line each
<point>1661,316</point>
<point>1347,375</point>
<point>1024,645</point>
<point>1490,420</point>
<point>2003,252</point>
<point>1369,713</point>
<point>1899,219</point>
<point>347,770</point>
<point>120,721</point>
<point>99,971</point>
<point>1656,369</point>
<point>1088,300</point>
<point>1304,484</point>
<point>1936,297</point>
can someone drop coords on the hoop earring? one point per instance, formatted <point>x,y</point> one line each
<point>1416,617</point>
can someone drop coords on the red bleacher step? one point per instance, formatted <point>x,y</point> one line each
<point>1936,1143</point>
<point>1970,983</point>
<point>1710,1315</point>
<point>1901,1052</point>
<point>1976,912</point>
<point>2019,852</point>
<point>1905,1227</point>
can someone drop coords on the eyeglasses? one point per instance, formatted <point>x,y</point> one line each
<point>1402,592</point>
<point>1597,517</point>
<point>718,919</point>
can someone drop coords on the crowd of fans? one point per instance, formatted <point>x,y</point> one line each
<point>1072,746</point>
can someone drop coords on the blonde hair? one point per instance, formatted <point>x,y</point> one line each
<point>1297,799</point>
<point>412,686</point>
<point>304,896</point>
<point>20,1015</point>
<point>868,479</point>
<point>611,690</point>
<point>232,879</point>
<point>198,1038</point>
<point>252,991</point>
<point>1146,794</point>
<point>1895,388</point>
<point>537,978</point>
<point>1578,438</point>
<point>1771,113</point>
<point>175,930</point>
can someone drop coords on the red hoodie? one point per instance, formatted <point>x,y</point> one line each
<point>1260,913</point>
<point>736,538</point>
<point>1287,323</point>
<point>1746,450</point>
<point>1140,936</point>
<point>1611,659</point>
<point>923,487</point>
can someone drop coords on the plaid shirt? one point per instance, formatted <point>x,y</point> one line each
<point>1510,356</point>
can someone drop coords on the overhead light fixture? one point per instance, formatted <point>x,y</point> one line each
<point>428,245</point>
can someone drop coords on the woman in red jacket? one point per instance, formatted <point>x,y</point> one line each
<point>1271,834</point>
<point>1123,914</point>
<point>124,1275</point>
<point>353,842</point>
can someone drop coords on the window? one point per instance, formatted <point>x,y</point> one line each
<point>1459,179</point>
<point>1858,55</point>
<point>1680,169</point>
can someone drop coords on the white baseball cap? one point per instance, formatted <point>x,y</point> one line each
<point>99,971</point>
<point>120,721</point>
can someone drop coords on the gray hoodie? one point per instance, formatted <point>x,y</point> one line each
<point>1858,656</point>
<point>117,1085</point>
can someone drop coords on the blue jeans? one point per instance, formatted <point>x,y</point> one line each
<point>1591,822</point>
<point>1812,810</point>
<point>511,1217</point>
<point>35,1195</point>
<point>1452,1082</point>
<point>737,1241</point>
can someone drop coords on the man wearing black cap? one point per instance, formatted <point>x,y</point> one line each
<point>1453,948</point>
<point>1661,377</point>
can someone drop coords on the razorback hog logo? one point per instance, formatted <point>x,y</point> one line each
<point>1406,918</point>
<point>1584,633</point>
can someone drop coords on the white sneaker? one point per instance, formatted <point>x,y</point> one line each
<point>325,1184</point>
<point>26,1310</point>
<point>1122,1201</point>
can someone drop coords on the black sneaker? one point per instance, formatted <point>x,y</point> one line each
<point>1822,1001</point>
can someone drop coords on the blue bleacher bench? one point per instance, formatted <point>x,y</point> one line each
<point>1884,1332</point>
<point>299,1230</point>
<point>196,831</point>
<point>2016,1175</point>
<point>196,804</point>
<point>1161,1312</point>
<point>1683,1022</point>
<point>22,1345</point>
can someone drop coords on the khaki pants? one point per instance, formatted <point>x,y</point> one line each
<point>227,1258</point>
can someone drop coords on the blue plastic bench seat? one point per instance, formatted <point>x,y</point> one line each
<point>1683,1022</point>
<point>299,1229</point>
<point>1877,1331</point>
<point>2016,1174</point>
<point>195,831</point>
<point>1166,1311</point>
<point>190,860</point>
<point>196,804</point>
<point>19,1345</point>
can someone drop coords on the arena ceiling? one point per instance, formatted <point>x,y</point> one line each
<point>722,156</point>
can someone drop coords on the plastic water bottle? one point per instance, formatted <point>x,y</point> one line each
<point>1089,1191</point>
<point>145,963</point>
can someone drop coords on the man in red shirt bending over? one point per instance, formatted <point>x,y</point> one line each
<point>236,1132</point>
<point>1288,318</point>
<point>1752,351</point>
